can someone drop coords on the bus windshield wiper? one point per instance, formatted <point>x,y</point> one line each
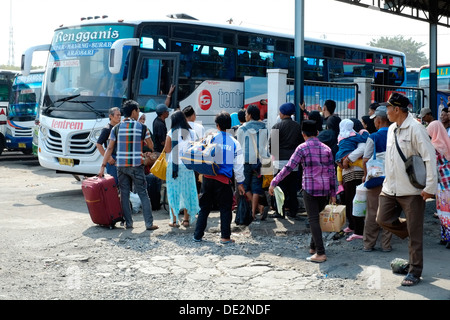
<point>62,100</point>
<point>91,108</point>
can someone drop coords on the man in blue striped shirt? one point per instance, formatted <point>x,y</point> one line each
<point>129,135</point>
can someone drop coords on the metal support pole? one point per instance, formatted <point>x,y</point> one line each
<point>433,59</point>
<point>299,57</point>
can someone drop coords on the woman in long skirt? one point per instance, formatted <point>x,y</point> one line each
<point>180,181</point>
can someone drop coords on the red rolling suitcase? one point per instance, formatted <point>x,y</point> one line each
<point>102,199</point>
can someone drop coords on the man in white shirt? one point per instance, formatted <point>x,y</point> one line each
<point>397,189</point>
<point>196,126</point>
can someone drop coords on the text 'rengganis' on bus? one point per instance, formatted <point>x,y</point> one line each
<point>97,64</point>
<point>22,111</point>
<point>6,81</point>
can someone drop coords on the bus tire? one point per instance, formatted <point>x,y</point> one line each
<point>27,151</point>
<point>2,143</point>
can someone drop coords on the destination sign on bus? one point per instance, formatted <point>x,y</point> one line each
<point>87,41</point>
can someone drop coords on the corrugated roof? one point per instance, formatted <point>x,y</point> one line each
<point>437,11</point>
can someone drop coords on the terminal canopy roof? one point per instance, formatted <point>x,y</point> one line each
<point>431,11</point>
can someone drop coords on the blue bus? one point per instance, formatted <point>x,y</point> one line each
<point>22,111</point>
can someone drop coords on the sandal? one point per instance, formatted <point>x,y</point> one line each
<point>339,235</point>
<point>226,241</point>
<point>354,237</point>
<point>410,280</point>
<point>317,258</point>
<point>174,225</point>
<point>185,223</point>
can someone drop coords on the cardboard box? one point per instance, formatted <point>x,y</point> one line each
<point>332,218</point>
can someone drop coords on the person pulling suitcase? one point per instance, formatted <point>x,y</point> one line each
<point>129,136</point>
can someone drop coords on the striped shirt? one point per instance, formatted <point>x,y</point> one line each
<point>316,158</point>
<point>129,142</point>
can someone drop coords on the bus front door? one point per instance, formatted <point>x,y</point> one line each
<point>155,74</point>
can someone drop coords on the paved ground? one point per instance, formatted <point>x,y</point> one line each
<point>52,250</point>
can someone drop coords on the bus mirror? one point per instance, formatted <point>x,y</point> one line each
<point>27,57</point>
<point>116,53</point>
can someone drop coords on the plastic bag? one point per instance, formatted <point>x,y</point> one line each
<point>360,201</point>
<point>160,166</point>
<point>243,212</point>
<point>135,202</point>
<point>375,171</point>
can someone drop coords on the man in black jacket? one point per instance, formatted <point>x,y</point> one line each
<point>289,134</point>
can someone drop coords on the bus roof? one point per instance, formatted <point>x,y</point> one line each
<point>427,66</point>
<point>229,27</point>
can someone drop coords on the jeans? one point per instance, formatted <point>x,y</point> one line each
<point>215,192</point>
<point>112,170</point>
<point>129,176</point>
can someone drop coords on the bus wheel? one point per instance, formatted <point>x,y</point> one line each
<point>2,143</point>
<point>27,151</point>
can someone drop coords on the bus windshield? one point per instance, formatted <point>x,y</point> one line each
<point>26,93</point>
<point>78,66</point>
<point>443,77</point>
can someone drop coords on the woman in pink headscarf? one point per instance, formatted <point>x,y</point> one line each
<point>441,142</point>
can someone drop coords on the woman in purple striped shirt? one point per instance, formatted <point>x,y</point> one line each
<point>319,182</point>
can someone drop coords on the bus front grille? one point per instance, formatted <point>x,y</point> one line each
<point>78,144</point>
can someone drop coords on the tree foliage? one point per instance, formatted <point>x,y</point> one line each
<point>411,48</point>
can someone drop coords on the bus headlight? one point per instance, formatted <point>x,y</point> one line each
<point>44,132</point>
<point>9,132</point>
<point>95,134</point>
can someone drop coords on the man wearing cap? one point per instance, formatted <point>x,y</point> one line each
<point>397,189</point>
<point>319,182</point>
<point>376,142</point>
<point>426,115</point>
<point>159,127</point>
<point>285,137</point>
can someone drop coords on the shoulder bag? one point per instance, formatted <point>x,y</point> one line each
<point>415,167</point>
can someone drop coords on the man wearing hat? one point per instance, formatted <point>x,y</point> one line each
<point>318,182</point>
<point>376,142</point>
<point>285,136</point>
<point>426,115</point>
<point>397,189</point>
<point>159,127</point>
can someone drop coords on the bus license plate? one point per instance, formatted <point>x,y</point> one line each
<point>22,145</point>
<point>66,162</point>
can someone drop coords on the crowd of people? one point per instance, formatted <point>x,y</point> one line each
<point>321,164</point>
